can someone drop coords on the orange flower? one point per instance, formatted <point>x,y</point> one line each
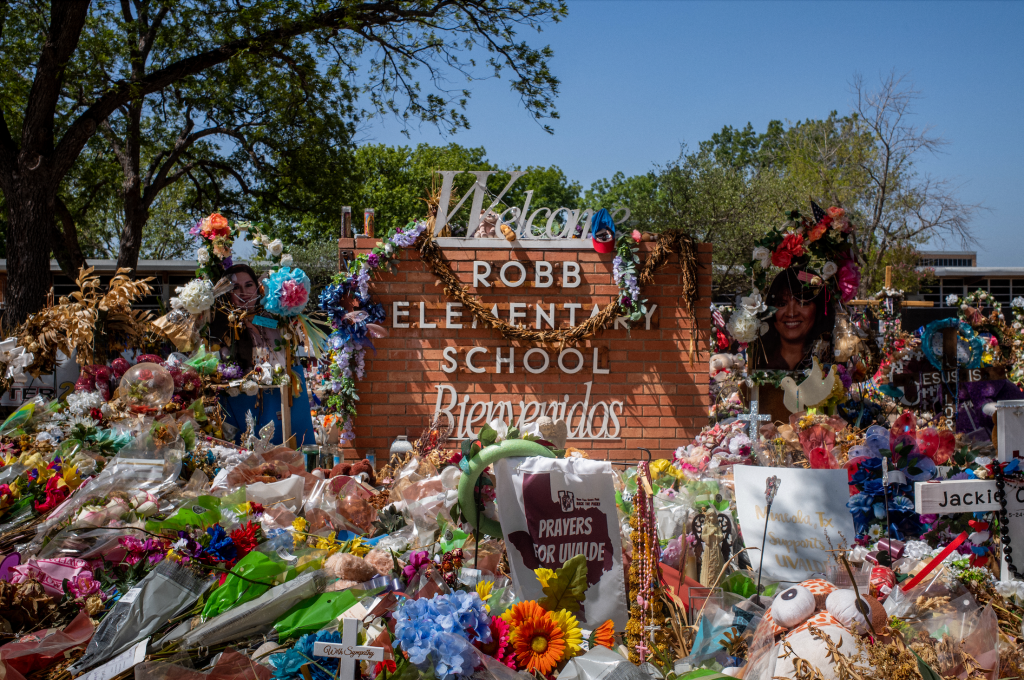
<point>835,213</point>
<point>215,225</point>
<point>605,634</point>
<point>539,644</point>
<point>817,231</point>
<point>520,612</point>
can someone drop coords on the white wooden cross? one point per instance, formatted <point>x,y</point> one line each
<point>955,496</point>
<point>752,419</point>
<point>349,651</point>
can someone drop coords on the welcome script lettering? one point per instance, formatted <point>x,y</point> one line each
<point>601,420</point>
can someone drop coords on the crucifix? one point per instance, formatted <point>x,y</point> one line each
<point>652,630</point>
<point>752,419</point>
<point>349,651</point>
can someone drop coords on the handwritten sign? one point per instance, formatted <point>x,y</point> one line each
<point>348,651</point>
<point>797,545</point>
<point>955,496</point>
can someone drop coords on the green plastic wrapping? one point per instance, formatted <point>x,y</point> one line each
<point>315,613</point>
<point>255,566</point>
<point>203,512</point>
<point>204,362</point>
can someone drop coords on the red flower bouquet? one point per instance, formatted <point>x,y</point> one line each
<point>792,246</point>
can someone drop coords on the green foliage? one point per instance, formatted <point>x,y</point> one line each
<point>568,588</point>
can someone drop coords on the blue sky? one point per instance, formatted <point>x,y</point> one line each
<point>640,78</point>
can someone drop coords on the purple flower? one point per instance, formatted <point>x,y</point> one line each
<point>417,561</point>
<point>228,262</point>
<point>928,519</point>
<point>196,229</point>
<point>373,260</point>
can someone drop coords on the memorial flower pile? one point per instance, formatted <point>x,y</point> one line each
<point>129,516</point>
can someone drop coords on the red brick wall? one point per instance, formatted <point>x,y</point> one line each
<point>665,398</point>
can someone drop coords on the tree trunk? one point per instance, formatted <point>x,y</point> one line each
<point>136,214</point>
<point>30,214</point>
<point>66,248</point>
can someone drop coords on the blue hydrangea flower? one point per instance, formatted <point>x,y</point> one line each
<point>455,657</point>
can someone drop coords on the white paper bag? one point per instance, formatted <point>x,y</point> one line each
<point>552,510</point>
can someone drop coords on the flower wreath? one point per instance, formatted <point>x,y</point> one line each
<point>972,345</point>
<point>817,247</point>
<point>976,300</point>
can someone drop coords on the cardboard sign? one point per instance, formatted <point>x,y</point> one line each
<point>552,510</point>
<point>955,496</point>
<point>809,504</point>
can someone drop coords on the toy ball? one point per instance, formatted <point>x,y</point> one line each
<point>793,606</point>
<point>147,385</point>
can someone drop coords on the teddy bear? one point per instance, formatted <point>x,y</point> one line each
<point>353,469</point>
<point>832,610</point>
<point>722,366</point>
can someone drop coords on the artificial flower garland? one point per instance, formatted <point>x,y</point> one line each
<point>353,328</point>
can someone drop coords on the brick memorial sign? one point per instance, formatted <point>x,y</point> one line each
<point>621,390</point>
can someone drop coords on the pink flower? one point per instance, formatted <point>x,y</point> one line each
<point>848,279</point>
<point>84,585</point>
<point>293,294</point>
<point>637,236</point>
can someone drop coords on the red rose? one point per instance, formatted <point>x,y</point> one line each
<point>791,246</point>
<point>382,666</point>
<point>835,213</point>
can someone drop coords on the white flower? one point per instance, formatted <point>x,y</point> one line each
<point>250,388</point>
<point>80,403</point>
<point>763,256</point>
<point>388,248</point>
<point>753,304</point>
<point>829,270</point>
<point>275,247</point>
<point>195,297</point>
<point>743,326</point>
<point>952,299</point>
<point>286,260</point>
<point>1018,302</point>
<point>203,255</point>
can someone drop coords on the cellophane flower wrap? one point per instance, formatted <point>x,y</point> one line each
<point>287,292</point>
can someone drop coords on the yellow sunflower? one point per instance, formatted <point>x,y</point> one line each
<point>571,632</point>
<point>484,589</point>
<point>539,644</point>
<point>544,575</point>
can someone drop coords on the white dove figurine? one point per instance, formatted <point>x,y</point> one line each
<point>811,392</point>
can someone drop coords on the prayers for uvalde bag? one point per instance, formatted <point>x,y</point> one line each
<point>552,510</point>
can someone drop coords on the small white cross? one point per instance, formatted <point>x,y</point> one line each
<point>752,419</point>
<point>652,629</point>
<point>349,651</point>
